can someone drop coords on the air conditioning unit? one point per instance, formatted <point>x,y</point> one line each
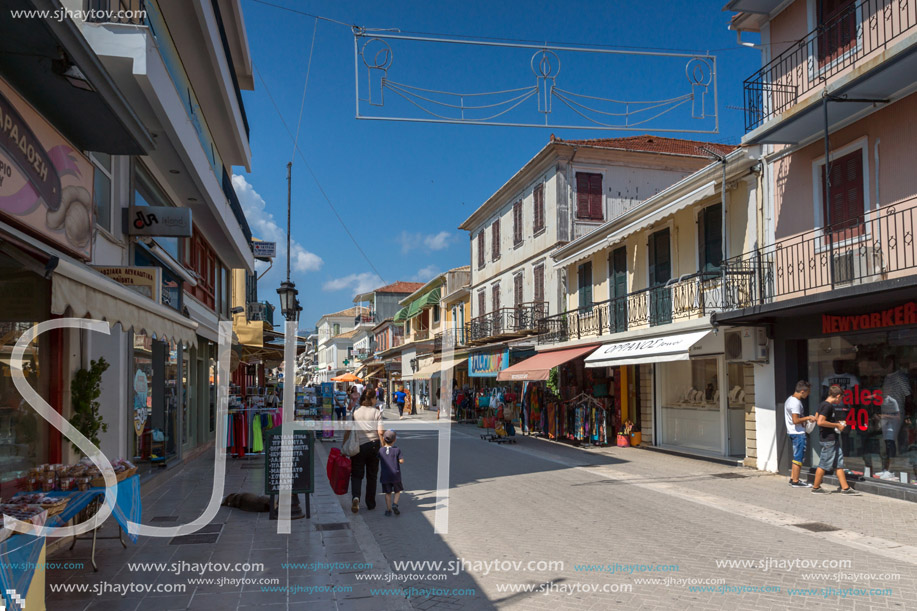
<point>858,265</point>
<point>746,345</point>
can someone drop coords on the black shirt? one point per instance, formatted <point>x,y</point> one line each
<point>827,409</point>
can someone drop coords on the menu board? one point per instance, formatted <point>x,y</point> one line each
<point>295,467</point>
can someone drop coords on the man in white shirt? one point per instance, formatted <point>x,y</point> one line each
<point>796,430</point>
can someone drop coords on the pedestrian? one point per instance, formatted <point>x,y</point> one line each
<point>390,461</point>
<point>353,396</point>
<point>796,429</point>
<point>832,457</point>
<point>340,404</point>
<point>400,398</point>
<point>368,429</point>
<point>409,400</point>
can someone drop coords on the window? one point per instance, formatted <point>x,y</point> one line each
<point>335,329</point>
<point>538,196</point>
<point>102,189</point>
<point>847,196</point>
<point>710,238</point>
<point>436,313</point>
<point>517,223</point>
<point>200,258</point>
<point>538,274</point>
<point>481,250</point>
<point>589,196</point>
<point>495,297</point>
<point>482,305</point>
<point>617,268</point>
<point>148,193</point>
<point>584,284</point>
<point>518,299</point>
<point>660,272</point>
<point>837,22</point>
<point>495,240</point>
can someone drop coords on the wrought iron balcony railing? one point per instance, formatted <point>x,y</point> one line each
<point>450,339</point>
<point>866,27</point>
<point>686,297</point>
<point>507,322</point>
<point>876,246</point>
<point>421,334</point>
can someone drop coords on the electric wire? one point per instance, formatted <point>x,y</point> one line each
<point>305,86</point>
<point>314,177</point>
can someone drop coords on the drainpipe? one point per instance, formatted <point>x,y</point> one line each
<point>824,105</point>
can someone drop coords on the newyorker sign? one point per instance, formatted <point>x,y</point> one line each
<point>892,317</point>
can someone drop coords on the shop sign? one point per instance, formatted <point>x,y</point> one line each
<point>892,317</point>
<point>487,364</point>
<point>295,469</point>
<point>45,183</point>
<point>145,280</point>
<point>161,221</point>
<point>264,250</point>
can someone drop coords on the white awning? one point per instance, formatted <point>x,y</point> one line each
<point>643,222</point>
<point>207,320</point>
<point>679,347</point>
<point>81,292</point>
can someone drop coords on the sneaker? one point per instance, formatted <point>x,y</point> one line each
<point>388,513</point>
<point>355,505</point>
<point>395,509</point>
<point>847,490</point>
<point>888,475</point>
<point>819,490</point>
<point>798,484</point>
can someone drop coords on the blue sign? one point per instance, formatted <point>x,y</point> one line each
<point>488,364</point>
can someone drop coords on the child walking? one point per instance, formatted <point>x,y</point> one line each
<point>390,462</point>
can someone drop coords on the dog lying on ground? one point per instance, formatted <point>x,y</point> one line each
<point>246,501</point>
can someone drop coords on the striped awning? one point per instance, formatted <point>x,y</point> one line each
<point>429,299</point>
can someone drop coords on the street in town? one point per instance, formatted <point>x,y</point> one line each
<point>532,525</point>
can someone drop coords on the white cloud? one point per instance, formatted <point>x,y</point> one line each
<point>427,273</point>
<point>264,227</point>
<point>358,283</point>
<point>434,241</point>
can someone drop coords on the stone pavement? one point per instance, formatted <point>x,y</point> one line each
<point>648,530</point>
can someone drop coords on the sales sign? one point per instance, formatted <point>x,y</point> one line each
<point>295,467</point>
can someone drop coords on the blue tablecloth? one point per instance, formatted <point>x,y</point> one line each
<point>19,554</point>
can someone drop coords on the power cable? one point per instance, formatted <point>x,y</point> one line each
<point>314,177</point>
<point>305,86</point>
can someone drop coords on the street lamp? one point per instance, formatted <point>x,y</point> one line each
<point>289,304</point>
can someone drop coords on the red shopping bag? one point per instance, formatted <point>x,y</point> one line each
<point>338,471</point>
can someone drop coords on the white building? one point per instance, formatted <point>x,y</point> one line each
<point>336,332</point>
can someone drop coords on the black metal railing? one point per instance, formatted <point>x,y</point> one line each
<point>690,296</point>
<point>842,41</point>
<point>450,339</point>
<point>131,12</point>
<point>520,320</point>
<point>874,246</point>
<point>230,192</point>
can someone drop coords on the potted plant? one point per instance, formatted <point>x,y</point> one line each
<point>85,389</point>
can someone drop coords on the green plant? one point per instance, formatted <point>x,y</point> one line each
<point>85,389</point>
<point>553,378</point>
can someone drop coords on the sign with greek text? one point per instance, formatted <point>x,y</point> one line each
<point>295,467</point>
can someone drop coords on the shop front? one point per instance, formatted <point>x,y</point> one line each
<point>699,397</point>
<point>869,351</point>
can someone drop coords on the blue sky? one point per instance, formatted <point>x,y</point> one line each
<point>402,189</point>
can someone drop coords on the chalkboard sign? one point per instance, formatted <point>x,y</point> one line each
<point>297,468</point>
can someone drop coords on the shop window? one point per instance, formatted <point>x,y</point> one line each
<point>102,185</point>
<point>589,200</point>
<point>710,238</point>
<point>538,197</point>
<point>691,408</point>
<point>874,371</point>
<point>584,284</point>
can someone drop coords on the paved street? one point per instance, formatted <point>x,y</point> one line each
<point>583,518</point>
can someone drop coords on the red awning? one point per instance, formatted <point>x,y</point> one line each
<point>539,366</point>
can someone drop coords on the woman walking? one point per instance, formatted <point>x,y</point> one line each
<point>368,429</point>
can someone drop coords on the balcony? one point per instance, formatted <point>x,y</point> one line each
<point>507,323</point>
<point>449,339</point>
<point>261,310</point>
<point>866,52</point>
<point>693,296</point>
<point>878,245</point>
<point>421,335</point>
<point>365,318</point>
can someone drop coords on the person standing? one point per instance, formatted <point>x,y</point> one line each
<point>400,398</point>
<point>368,429</point>
<point>796,430</point>
<point>832,458</point>
<point>390,461</point>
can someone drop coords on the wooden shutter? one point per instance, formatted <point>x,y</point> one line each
<point>595,197</point>
<point>539,283</point>
<point>482,305</point>
<point>589,196</point>
<point>660,262</point>
<point>584,283</point>
<point>710,238</point>
<point>619,272</point>
<point>582,195</point>
<point>495,237</point>
<point>517,222</point>
<point>838,23</point>
<point>847,186</point>
<point>538,197</point>
<point>517,290</point>
<point>481,249</point>
<point>495,297</point>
